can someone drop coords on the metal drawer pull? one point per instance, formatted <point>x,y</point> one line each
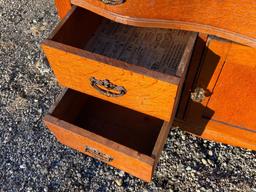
<point>98,155</point>
<point>113,2</point>
<point>110,89</point>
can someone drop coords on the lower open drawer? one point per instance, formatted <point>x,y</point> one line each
<point>116,135</point>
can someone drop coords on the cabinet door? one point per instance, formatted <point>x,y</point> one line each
<point>227,111</point>
<point>234,93</point>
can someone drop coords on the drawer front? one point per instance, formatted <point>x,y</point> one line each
<point>142,93</point>
<point>101,148</point>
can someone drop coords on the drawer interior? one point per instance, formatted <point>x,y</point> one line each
<point>119,124</point>
<point>154,49</point>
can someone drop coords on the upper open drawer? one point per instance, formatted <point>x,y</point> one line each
<point>139,68</point>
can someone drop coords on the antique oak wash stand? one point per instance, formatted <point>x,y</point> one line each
<point>134,68</point>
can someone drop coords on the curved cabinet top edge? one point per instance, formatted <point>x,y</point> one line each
<point>172,23</point>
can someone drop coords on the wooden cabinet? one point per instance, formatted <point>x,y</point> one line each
<point>131,68</point>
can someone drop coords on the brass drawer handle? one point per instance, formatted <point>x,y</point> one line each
<point>113,2</point>
<point>107,88</point>
<point>98,155</point>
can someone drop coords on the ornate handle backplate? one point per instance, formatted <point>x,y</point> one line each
<point>107,88</point>
<point>98,155</point>
<point>113,2</point>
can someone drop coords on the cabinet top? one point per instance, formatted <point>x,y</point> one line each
<point>230,19</point>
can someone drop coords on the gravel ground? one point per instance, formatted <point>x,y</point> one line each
<point>31,158</point>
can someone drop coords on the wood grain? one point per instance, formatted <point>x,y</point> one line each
<point>148,91</point>
<point>234,94</point>
<point>144,94</point>
<point>192,73</point>
<point>161,50</point>
<point>212,61</point>
<point>125,159</point>
<point>63,7</point>
<point>229,19</point>
<point>134,153</point>
<point>227,113</point>
<point>160,142</point>
<point>220,132</point>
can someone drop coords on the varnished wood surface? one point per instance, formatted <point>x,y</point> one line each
<point>234,94</point>
<point>220,132</point>
<point>77,138</point>
<point>227,113</point>
<point>148,91</point>
<point>144,94</point>
<point>63,7</point>
<point>133,153</point>
<point>230,19</point>
<point>190,77</point>
<point>213,61</point>
<point>160,142</point>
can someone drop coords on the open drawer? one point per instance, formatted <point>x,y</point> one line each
<point>116,135</point>
<point>139,68</point>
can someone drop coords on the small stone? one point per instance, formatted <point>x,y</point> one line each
<point>78,175</point>
<point>204,161</point>
<point>44,171</point>
<point>121,173</point>
<point>210,162</point>
<point>42,28</point>
<point>40,111</point>
<point>23,166</point>
<point>188,168</point>
<point>210,153</point>
<point>119,182</point>
<point>183,137</point>
<point>173,179</point>
<point>35,31</point>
